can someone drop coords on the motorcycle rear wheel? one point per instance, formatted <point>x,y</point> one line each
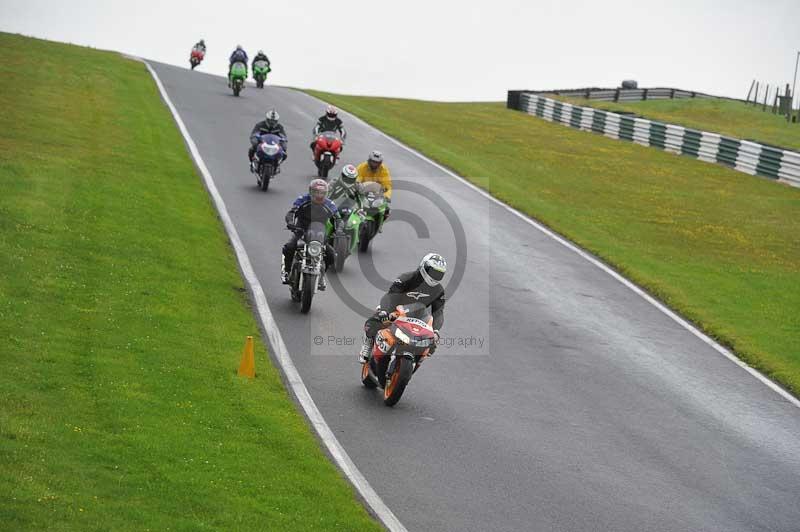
<point>397,381</point>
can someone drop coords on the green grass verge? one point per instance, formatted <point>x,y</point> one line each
<point>122,319</point>
<point>719,246</point>
<point>715,115</point>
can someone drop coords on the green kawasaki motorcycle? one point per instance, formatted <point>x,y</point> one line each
<point>374,213</point>
<point>238,75</point>
<point>345,242</point>
<point>260,71</point>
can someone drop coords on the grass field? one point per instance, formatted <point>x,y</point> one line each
<point>715,115</point>
<point>122,319</point>
<point>719,246</point>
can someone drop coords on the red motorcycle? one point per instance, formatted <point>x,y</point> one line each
<point>399,351</point>
<point>327,148</point>
<point>197,57</point>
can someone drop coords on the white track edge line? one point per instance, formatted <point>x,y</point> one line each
<point>325,433</point>
<point>574,247</point>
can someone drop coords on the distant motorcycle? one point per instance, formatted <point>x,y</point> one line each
<point>307,265</point>
<point>374,213</point>
<point>196,57</point>
<point>268,159</point>
<point>238,75</point>
<point>399,351</point>
<point>327,148</point>
<point>260,71</point>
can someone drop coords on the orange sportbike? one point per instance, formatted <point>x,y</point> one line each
<point>399,350</point>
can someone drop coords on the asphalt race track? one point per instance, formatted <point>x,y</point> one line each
<point>561,400</point>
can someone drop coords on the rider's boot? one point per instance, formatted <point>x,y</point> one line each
<point>366,349</point>
<point>321,284</point>
<point>284,273</point>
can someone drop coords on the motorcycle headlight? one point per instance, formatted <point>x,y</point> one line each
<point>314,248</point>
<point>403,337</point>
<point>270,149</point>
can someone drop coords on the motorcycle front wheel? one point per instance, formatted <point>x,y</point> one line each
<point>341,246</point>
<point>266,174</point>
<point>307,294</point>
<point>396,382</point>
<point>366,379</point>
<point>367,232</point>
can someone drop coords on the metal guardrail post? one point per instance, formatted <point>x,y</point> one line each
<point>616,95</point>
<point>512,101</point>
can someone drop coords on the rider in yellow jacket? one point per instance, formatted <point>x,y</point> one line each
<point>373,169</point>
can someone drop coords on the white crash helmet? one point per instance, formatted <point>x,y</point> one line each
<point>272,117</point>
<point>432,267</point>
<point>349,174</point>
<point>318,190</point>
<point>331,112</point>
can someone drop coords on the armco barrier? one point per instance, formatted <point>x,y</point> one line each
<point>742,155</point>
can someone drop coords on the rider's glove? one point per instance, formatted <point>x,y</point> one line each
<point>382,316</point>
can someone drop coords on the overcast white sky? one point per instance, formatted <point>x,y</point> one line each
<point>454,50</point>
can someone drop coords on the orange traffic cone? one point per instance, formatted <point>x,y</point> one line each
<point>248,366</point>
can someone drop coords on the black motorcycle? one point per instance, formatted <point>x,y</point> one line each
<point>307,265</point>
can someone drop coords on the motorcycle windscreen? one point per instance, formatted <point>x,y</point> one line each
<point>371,187</point>
<point>269,138</point>
<point>316,231</point>
<point>260,65</point>
<point>330,136</point>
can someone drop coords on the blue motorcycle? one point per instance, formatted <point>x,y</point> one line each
<point>270,153</point>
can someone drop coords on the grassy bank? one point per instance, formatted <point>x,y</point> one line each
<point>122,319</point>
<point>719,246</point>
<point>715,115</point>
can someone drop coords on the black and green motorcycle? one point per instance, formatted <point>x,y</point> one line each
<point>345,242</point>
<point>374,206</point>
